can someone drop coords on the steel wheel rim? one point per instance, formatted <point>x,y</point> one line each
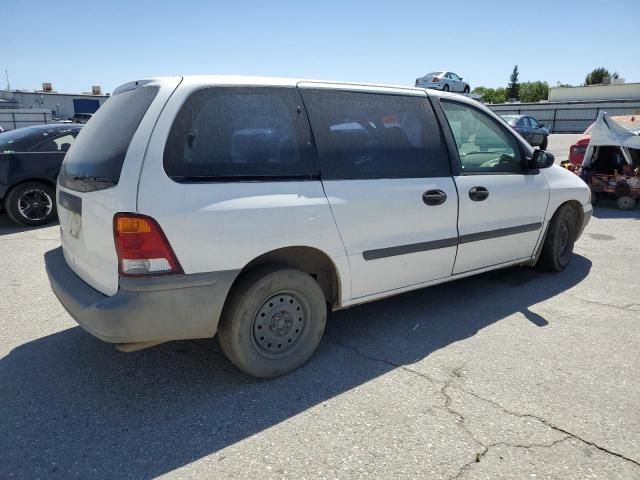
<point>279,323</point>
<point>35,204</point>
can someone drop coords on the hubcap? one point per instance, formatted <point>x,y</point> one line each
<point>35,204</point>
<point>278,324</point>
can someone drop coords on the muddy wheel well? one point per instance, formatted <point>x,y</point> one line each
<point>306,259</point>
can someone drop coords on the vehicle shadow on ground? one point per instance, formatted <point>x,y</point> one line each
<point>8,226</point>
<point>71,405</point>
<point>607,208</point>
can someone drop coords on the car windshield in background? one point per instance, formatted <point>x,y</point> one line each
<point>21,139</point>
<point>96,159</point>
<point>510,119</point>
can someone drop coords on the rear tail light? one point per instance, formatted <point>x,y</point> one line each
<point>435,79</point>
<point>142,247</point>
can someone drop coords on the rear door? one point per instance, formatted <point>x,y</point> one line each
<point>99,177</point>
<point>386,175</point>
<point>502,206</point>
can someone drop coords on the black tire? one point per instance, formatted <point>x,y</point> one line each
<point>466,90</point>
<point>626,202</point>
<point>273,321</point>
<point>445,88</point>
<point>558,244</point>
<point>545,142</point>
<point>31,204</point>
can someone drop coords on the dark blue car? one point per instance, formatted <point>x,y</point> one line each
<point>30,159</point>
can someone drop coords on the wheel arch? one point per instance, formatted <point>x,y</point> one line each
<point>307,259</point>
<point>47,181</point>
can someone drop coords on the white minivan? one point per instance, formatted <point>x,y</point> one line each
<point>191,206</point>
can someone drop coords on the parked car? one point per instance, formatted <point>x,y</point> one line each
<point>30,160</point>
<point>578,149</point>
<point>533,131</point>
<point>82,117</point>
<point>443,80</point>
<point>196,205</point>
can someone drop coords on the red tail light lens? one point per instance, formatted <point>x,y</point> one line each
<point>142,247</point>
<point>435,79</point>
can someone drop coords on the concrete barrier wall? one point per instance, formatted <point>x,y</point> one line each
<point>567,117</point>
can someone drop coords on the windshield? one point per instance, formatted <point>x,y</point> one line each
<point>21,139</point>
<point>17,140</point>
<point>510,119</point>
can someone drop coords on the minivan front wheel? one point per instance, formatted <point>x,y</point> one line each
<point>272,321</point>
<point>31,204</point>
<point>558,244</point>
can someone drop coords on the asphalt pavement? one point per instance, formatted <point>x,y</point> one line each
<point>515,373</point>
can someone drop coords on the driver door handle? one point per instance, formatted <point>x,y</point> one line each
<point>434,197</point>
<point>478,194</point>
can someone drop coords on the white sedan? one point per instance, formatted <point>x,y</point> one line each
<point>443,80</point>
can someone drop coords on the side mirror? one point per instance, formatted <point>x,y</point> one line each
<point>461,78</point>
<point>542,125</point>
<point>541,159</point>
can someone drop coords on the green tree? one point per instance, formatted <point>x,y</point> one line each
<point>491,95</point>
<point>513,89</point>
<point>534,91</point>
<point>596,76</point>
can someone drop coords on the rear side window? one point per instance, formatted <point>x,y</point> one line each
<point>97,156</point>
<point>235,133</point>
<point>368,136</point>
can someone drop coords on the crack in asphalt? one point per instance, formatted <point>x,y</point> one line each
<point>447,406</point>
<point>627,307</point>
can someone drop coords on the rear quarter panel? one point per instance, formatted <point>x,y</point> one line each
<point>18,167</point>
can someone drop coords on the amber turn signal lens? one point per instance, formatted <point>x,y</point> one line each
<point>132,225</point>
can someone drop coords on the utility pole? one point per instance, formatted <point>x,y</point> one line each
<point>6,72</point>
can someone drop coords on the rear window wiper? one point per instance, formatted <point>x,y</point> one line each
<point>88,178</point>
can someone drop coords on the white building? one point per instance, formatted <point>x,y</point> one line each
<point>61,105</point>
<point>589,93</point>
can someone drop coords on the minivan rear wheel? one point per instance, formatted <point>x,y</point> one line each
<point>273,321</point>
<point>31,204</point>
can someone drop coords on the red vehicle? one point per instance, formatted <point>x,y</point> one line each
<point>578,149</point>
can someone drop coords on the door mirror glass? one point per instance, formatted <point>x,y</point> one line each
<point>541,159</point>
<point>542,125</point>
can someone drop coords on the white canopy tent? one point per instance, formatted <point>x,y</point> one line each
<point>606,132</point>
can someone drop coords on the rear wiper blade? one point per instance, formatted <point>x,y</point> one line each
<point>87,178</point>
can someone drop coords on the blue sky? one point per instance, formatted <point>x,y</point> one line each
<point>78,44</point>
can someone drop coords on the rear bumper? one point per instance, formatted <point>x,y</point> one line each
<point>154,309</point>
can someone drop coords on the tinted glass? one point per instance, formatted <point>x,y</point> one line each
<point>454,76</point>
<point>510,119</point>
<point>59,144</point>
<point>365,135</point>
<point>483,146</point>
<point>533,122</point>
<point>25,139</point>
<point>101,147</point>
<point>226,132</point>
<point>523,122</point>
